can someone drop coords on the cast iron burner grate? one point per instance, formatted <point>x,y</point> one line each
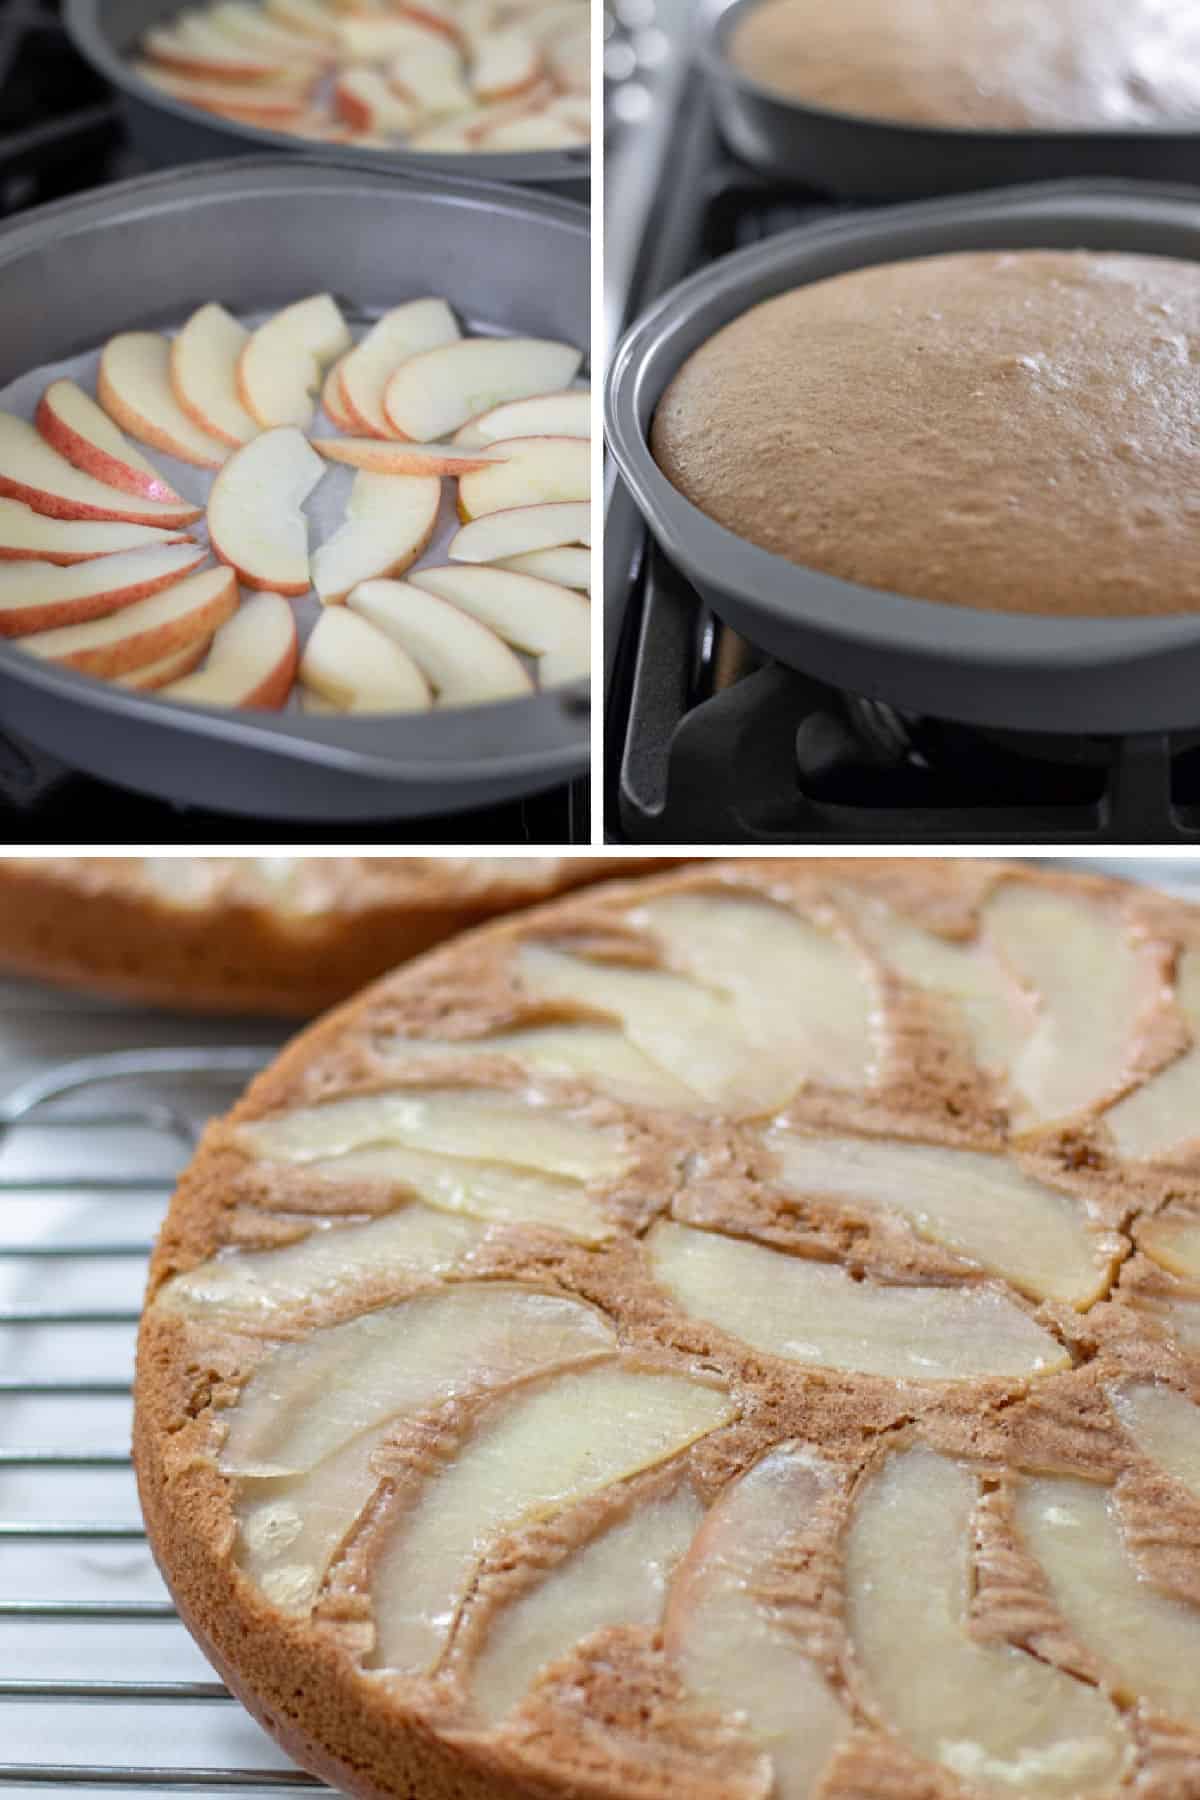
<point>708,742</point>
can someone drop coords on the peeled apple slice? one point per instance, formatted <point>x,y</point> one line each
<point>1162,1116</point>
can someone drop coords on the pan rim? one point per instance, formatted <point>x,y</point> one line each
<point>868,619</point>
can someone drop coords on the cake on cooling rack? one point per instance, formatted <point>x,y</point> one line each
<point>1012,431</point>
<point>281,935</point>
<point>1046,65</point>
<point>734,1333</point>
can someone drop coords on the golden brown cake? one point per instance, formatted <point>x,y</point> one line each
<point>280,935</point>
<point>988,64</point>
<point>1010,431</point>
<point>733,1334</point>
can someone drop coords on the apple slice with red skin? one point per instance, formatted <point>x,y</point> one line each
<point>203,374</point>
<point>167,668</point>
<point>308,17</point>
<point>368,102</point>
<point>252,662</point>
<point>405,331</point>
<point>392,457</point>
<point>389,522</point>
<point>376,39</point>
<point>38,596</point>
<point>72,423</point>
<point>547,415</point>
<point>353,665</point>
<point>464,662</point>
<point>255,516</point>
<point>435,15</point>
<point>28,536</point>
<point>333,401</point>
<point>197,48</point>
<point>280,368</point>
<point>523,528</point>
<point>547,621</point>
<point>144,632</point>
<point>250,27</point>
<point>134,388</point>
<point>504,63</point>
<point>31,471</point>
<point>431,395</point>
<point>431,76</point>
<point>535,471</point>
<point>265,103</point>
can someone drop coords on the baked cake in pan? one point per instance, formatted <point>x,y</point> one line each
<point>730,1334</point>
<point>281,935</point>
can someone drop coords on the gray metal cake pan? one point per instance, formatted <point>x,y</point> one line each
<point>1008,670</point>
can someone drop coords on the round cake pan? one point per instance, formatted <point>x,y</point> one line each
<point>987,668</point>
<point>861,158</point>
<point>144,254</point>
<point>169,132</point>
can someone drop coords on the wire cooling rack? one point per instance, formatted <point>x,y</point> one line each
<point>100,1685</point>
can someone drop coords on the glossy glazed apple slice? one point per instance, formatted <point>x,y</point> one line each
<point>1172,1239</point>
<point>552,623</point>
<point>538,471</point>
<point>26,535</point>
<point>134,385</point>
<point>389,521</point>
<point>280,367</point>
<point>1165,1426</point>
<point>72,423</point>
<point>996,1716</point>
<point>32,472</point>
<point>43,596</point>
<point>1162,1116</point>
<point>252,662</point>
<point>604,1057</point>
<point>504,534</point>
<point>349,662</point>
<point>464,662</point>
<point>431,395</point>
<point>405,331</point>
<point>203,372</point>
<point>396,458</point>
<point>255,511</point>
<point>144,632</point>
<point>549,415</point>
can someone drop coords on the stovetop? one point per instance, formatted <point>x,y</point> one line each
<point>60,134</point>
<point>709,742</point>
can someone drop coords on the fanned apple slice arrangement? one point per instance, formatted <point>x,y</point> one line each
<point>437,75</point>
<point>101,558</point>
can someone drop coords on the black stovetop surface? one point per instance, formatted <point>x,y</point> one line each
<point>708,742</point>
<point>60,134</point>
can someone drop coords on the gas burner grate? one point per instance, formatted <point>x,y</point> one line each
<point>88,1153</point>
<point>60,130</point>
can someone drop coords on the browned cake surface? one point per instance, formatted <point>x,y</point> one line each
<point>1003,64</point>
<point>287,936</point>
<point>867,1462</point>
<point>1006,431</point>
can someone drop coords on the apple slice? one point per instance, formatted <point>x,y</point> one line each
<point>373,39</point>
<point>198,48</point>
<point>465,663</point>
<point>431,395</point>
<point>332,399</point>
<point>203,373</point>
<point>309,17</point>
<point>26,535</point>
<point>531,131</point>
<point>548,415</point>
<point>405,331</point>
<point>347,661</point>
<point>570,58</point>
<point>248,25</point>
<point>37,596</point>
<point>552,623</point>
<point>252,661</point>
<point>567,566</point>
<point>431,76</point>
<point>279,370</point>
<point>537,471</point>
<point>389,521</point>
<point>435,15</point>
<point>134,386</point>
<point>575,111</point>
<point>524,528</point>
<point>369,103</point>
<point>167,668</point>
<point>72,423</point>
<point>30,470</point>
<point>265,103</point>
<point>504,63</point>
<point>312,702</point>
<point>255,519</point>
<point>395,458</point>
<point>144,632</point>
<point>447,134</point>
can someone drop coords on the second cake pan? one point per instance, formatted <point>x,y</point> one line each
<point>1005,670</point>
<point>863,158</point>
